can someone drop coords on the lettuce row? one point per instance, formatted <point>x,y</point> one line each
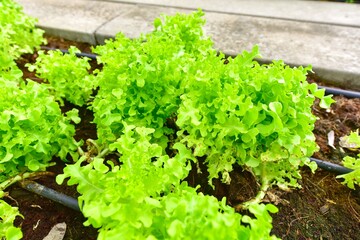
<point>32,127</point>
<point>23,144</point>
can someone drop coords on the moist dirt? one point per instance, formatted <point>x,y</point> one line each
<point>322,208</point>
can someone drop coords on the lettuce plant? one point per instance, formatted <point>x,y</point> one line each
<point>351,179</point>
<point>258,116</point>
<point>17,30</point>
<point>143,78</point>
<point>7,217</point>
<point>67,75</point>
<point>32,128</point>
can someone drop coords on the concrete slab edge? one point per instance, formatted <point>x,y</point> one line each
<point>70,35</point>
<point>335,13</point>
<point>341,79</point>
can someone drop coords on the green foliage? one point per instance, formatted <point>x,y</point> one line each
<point>172,81</point>
<point>255,115</point>
<point>67,74</point>
<point>141,81</point>
<point>242,112</point>
<point>353,178</point>
<point>21,141</point>
<point>352,141</point>
<point>166,92</point>
<point>7,217</point>
<point>32,128</point>
<point>32,131</point>
<point>17,31</point>
<point>8,67</point>
<point>144,198</point>
<point>18,36</point>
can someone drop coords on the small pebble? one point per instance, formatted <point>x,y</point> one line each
<point>57,232</point>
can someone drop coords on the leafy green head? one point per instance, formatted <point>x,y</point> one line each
<point>258,116</point>
<point>142,79</point>
<point>18,33</point>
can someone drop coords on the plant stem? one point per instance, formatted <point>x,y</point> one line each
<point>265,185</point>
<point>103,153</point>
<point>257,199</point>
<point>7,183</point>
<point>93,143</point>
<point>80,151</point>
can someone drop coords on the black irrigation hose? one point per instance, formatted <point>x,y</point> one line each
<point>73,203</point>
<point>51,194</point>
<point>331,167</point>
<point>88,55</point>
<point>336,91</point>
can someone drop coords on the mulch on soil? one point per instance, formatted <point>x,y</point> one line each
<point>322,209</point>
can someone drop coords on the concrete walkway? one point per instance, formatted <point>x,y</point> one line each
<point>323,34</point>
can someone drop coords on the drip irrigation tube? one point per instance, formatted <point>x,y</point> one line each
<point>336,91</point>
<point>51,194</point>
<point>331,167</point>
<point>73,203</point>
<point>81,54</point>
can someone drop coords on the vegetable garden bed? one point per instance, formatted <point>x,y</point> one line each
<point>322,209</point>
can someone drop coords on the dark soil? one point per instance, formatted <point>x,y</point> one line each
<point>41,214</point>
<point>322,209</point>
